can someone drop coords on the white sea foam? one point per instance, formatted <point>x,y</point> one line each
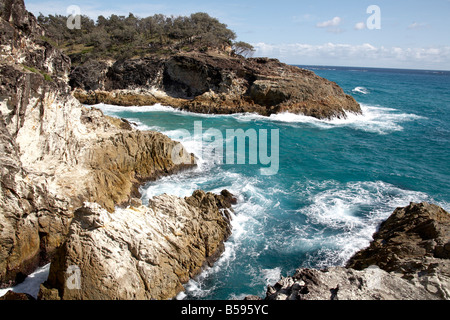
<point>271,276</point>
<point>250,205</point>
<point>112,109</point>
<point>353,210</point>
<point>142,126</point>
<point>361,90</point>
<point>249,210</point>
<point>31,283</point>
<point>341,217</point>
<point>373,119</point>
<point>109,108</point>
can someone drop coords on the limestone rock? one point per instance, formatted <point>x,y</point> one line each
<point>56,153</point>
<point>141,252</point>
<point>120,163</point>
<point>32,221</point>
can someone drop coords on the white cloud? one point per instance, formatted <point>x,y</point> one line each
<point>331,25</point>
<point>360,26</point>
<point>336,21</point>
<point>418,25</point>
<point>364,55</point>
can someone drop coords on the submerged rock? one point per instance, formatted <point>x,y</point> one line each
<point>407,260</point>
<point>144,252</point>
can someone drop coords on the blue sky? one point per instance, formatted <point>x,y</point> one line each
<point>413,34</point>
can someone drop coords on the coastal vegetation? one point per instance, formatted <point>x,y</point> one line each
<point>123,37</point>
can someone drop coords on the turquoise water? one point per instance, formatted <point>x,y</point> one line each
<point>337,179</point>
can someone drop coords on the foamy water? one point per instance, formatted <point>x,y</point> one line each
<point>374,119</point>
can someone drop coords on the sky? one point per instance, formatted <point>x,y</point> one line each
<point>412,34</point>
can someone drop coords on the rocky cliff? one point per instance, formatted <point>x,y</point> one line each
<point>57,154</point>
<point>407,260</point>
<point>211,83</point>
<point>142,252</point>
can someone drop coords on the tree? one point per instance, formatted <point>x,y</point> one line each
<point>244,49</point>
<point>122,36</point>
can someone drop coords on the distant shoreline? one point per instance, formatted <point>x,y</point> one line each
<point>401,70</point>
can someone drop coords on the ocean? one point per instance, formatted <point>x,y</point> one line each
<point>336,180</point>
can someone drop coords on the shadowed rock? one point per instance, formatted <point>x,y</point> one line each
<point>212,83</point>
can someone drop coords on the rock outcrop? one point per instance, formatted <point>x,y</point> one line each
<point>407,260</point>
<point>57,154</point>
<point>11,295</point>
<point>211,83</point>
<point>411,240</point>
<point>142,252</point>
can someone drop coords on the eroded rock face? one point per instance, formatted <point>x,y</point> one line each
<point>338,283</point>
<point>407,260</point>
<point>55,153</point>
<point>32,222</point>
<point>213,83</point>
<point>142,252</point>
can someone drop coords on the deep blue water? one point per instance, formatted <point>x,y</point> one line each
<point>337,179</point>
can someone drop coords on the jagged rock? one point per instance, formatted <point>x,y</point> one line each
<point>32,221</point>
<point>47,294</point>
<point>418,231</point>
<point>213,83</point>
<point>120,163</point>
<point>56,153</point>
<point>90,77</point>
<point>141,252</point>
<point>337,283</point>
<point>407,260</point>
<point>11,295</point>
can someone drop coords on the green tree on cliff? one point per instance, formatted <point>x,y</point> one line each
<point>126,36</point>
<point>243,48</point>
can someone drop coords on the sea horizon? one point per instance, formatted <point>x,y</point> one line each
<point>370,68</point>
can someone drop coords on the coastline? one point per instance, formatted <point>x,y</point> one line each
<point>60,156</point>
<point>68,171</point>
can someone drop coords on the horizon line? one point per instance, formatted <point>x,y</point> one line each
<point>386,68</point>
